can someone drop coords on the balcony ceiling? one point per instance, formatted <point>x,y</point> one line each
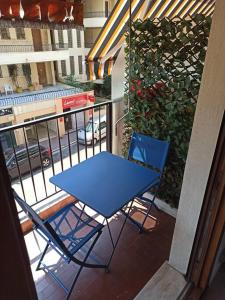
<point>112,36</point>
<point>41,13</point>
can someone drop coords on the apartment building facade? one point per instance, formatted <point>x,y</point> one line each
<point>28,79</point>
<point>74,64</point>
<point>95,16</point>
<point>34,60</point>
<point>81,40</point>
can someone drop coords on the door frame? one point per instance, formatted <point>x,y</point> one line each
<point>211,223</point>
<point>15,271</point>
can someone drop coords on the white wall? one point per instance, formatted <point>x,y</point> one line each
<point>94,22</point>
<point>118,80</point>
<point>207,122</point>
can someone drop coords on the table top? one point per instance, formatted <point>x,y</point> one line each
<point>105,182</point>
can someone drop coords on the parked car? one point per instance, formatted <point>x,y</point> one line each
<point>99,126</point>
<point>38,157</point>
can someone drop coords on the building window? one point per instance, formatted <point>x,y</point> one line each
<point>12,69</point>
<point>80,64</point>
<point>26,69</point>
<point>1,72</point>
<point>72,67</point>
<point>63,67</point>
<point>78,39</point>
<point>70,38</point>
<point>106,9</point>
<point>4,32</point>
<point>27,73</point>
<point>20,34</point>
<point>60,37</point>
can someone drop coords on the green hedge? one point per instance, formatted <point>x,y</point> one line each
<point>167,59</point>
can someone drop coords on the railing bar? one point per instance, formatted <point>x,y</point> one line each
<point>70,154</point>
<point>60,146</point>
<point>85,135</point>
<point>49,118</point>
<point>109,127</point>
<point>93,138</point>
<point>42,169</point>
<point>30,166</point>
<point>100,135</point>
<point>17,165</point>
<point>50,147</point>
<point>78,145</point>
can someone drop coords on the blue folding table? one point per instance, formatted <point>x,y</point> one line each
<point>106,183</point>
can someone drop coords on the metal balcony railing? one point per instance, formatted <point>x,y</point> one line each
<point>32,48</point>
<point>53,144</point>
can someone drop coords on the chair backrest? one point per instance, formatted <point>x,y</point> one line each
<point>42,225</point>
<point>148,150</point>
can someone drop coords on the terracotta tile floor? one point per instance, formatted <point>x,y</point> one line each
<point>136,259</point>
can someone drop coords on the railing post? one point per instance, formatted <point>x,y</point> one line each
<point>109,127</point>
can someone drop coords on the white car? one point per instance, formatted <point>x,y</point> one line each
<point>99,127</point>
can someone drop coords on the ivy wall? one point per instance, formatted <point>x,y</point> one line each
<point>166,64</point>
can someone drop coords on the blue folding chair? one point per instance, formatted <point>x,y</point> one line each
<point>67,231</point>
<point>151,153</point>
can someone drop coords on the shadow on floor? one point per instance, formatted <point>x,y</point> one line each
<point>137,258</point>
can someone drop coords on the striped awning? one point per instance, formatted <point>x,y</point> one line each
<point>102,55</point>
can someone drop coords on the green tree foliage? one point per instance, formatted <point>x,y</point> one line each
<point>101,90</point>
<point>167,60</point>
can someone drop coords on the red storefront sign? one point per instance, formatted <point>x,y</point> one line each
<point>77,100</point>
<point>91,98</point>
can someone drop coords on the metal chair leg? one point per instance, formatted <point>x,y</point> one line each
<point>81,267</point>
<point>42,257</point>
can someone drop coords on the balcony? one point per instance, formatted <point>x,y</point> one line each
<point>13,54</point>
<point>47,93</point>
<point>137,257</point>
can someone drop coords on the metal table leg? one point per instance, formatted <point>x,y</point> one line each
<point>114,244</point>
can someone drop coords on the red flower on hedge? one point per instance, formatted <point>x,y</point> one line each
<point>139,93</point>
<point>148,93</point>
<point>132,88</point>
<point>138,82</point>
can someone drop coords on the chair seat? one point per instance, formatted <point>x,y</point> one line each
<point>74,227</point>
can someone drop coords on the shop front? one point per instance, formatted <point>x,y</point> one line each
<point>6,118</point>
<point>74,102</point>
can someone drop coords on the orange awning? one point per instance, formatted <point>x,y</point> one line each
<point>60,12</point>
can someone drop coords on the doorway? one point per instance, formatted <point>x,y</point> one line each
<point>7,138</point>
<point>208,253</point>
<point>42,73</point>
<point>37,42</point>
<point>68,120</point>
